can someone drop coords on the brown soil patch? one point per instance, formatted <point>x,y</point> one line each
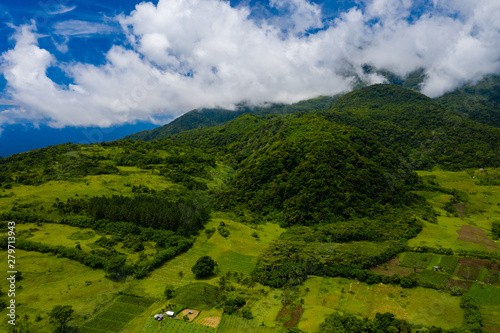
<point>469,268</point>
<point>296,316</point>
<point>191,316</point>
<point>475,235</point>
<point>458,283</point>
<point>210,321</point>
<point>393,268</point>
<point>283,312</point>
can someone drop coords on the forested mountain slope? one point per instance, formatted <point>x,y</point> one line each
<point>212,117</point>
<point>479,102</point>
<point>420,130</point>
<point>314,170</point>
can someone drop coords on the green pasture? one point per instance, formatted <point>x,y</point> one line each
<point>236,253</point>
<point>116,315</point>
<point>482,208</point>
<point>49,281</point>
<point>60,234</point>
<point>488,299</point>
<point>418,305</point>
<point>237,324</point>
<point>418,260</point>
<point>44,195</point>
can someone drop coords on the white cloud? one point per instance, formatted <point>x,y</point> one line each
<point>187,54</point>
<point>77,28</point>
<point>55,9</point>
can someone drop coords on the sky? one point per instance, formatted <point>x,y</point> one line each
<point>119,66</point>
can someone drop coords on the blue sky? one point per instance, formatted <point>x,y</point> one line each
<point>69,67</point>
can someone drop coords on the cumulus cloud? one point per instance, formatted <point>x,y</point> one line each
<point>185,54</point>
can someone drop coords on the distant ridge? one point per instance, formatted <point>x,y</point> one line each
<point>420,129</point>
<point>479,102</point>
<point>212,117</point>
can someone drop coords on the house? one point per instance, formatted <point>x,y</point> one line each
<point>436,268</point>
<point>171,314</point>
<point>158,317</point>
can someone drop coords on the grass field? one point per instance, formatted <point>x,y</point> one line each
<point>488,299</point>
<point>417,260</point>
<point>418,305</point>
<point>236,324</point>
<point>44,195</point>
<point>60,234</point>
<point>236,253</point>
<point>449,263</point>
<point>49,281</point>
<point>115,316</point>
<point>483,208</point>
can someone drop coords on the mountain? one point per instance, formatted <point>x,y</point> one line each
<point>420,130</point>
<point>212,117</point>
<point>479,102</point>
<point>313,171</point>
<point>310,201</point>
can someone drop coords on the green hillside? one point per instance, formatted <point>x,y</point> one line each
<point>315,219</point>
<point>211,117</point>
<point>420,130</point>
<point>479,102</point>
<point>313,170</point>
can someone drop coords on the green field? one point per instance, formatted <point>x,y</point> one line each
<point>60,234</point>
<point>449,263</point>
<point>235,324</point>
<point>417,260</point>
<point>49,281</point>
<point>482,208</point>
<point>488,299</point>
<point>117,314</point>
<point>236,253</point>
<point>418,305</point>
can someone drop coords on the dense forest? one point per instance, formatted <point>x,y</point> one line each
<point>423,132</point>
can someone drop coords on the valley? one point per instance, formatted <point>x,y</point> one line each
<point>311,217</point>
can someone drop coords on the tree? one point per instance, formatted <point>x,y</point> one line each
<point>169,291</point>
<point>247,313</point>
<point>61,314</point>
<point>204,267</point>
<point>181,274</point>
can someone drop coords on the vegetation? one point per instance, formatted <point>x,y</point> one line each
<point>495,229</point>
<point>417,128</point>
<point>479,102</point>
<point>386,323</point>
<point>305,214</point>
<point>212,117</point>
<point>61,315</point>
<point>204,267</point>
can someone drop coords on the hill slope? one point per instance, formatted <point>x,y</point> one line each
<point>422,131</point>
<point>212,117</point>
<point>315,171</point>
<point>479,102</point>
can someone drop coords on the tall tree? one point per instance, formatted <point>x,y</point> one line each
<point>61,315</point>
